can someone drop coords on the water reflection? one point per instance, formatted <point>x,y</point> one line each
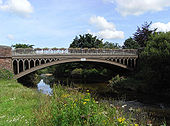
<point>44,88</point>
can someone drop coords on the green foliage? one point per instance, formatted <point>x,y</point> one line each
<point>159,45</point>
<point>90,41</point>
<point>81,70</point>
<point>115,81</point>
<point>130,44</point>
<point>86,41</point>
<point>141,36</point>
<point>5,74</point>
<point>111,45</point>
<point>89,73</point>
<point>77,71</point>
<point>71,108</point>
<point>155,60</point>
<point>64,70</point>
<point>22,46</point>
<point>49,70</point>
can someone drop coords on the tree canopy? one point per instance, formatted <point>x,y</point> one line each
<point>86,41</point>
<point>130,44</point>
<point>141,36</point>
<point>155,60</point>
<point>90,41</point>
<point>22,46</point>
<point>111,45</point>
<point>158,45</point>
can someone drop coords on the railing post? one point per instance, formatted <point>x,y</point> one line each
<point>131,62</point>
<point>124,61</point>
<point>128,62</point>
<point>29,64</point>
<point>134,63</point>
<point>120,60</point>
<point>34,62</point>
<point>17,66</point>
<point>39,61</point>
<point>23,62</point>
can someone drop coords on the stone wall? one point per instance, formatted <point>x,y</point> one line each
<point>6,57</point>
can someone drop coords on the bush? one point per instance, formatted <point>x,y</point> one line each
<point>90,72</point>
<point>5,74</point>
<point>115,81</point>
<point>77,71</point>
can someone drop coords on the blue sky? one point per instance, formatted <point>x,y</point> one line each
<point>55,23</point>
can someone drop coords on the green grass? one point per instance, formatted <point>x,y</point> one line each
<point>21,106</point>
<point>17,103</point>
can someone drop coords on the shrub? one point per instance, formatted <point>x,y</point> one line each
<point>77,71</point>
<point>5,74</point>
<point>115,81</point>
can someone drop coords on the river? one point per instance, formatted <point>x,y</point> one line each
<point>154,109</point>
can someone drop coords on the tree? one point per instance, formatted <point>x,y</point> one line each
<point>86,41</point>
<point>130,44</point>
<point>22,46</point>
<point>141,36</point>
<point>158,45</point>
<point>155,60</point>
<point>111,45</point>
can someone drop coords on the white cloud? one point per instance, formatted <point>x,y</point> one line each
<point>161,27</point>
<point>107,30</point>
<point>109,34</point>
<point>137,7</point>
<point>20,7</point>
<point>101,23</point>
<point>10,37</point>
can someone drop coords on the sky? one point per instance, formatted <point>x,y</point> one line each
<point>55,23</point>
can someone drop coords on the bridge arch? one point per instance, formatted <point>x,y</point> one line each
<point>47,64</point>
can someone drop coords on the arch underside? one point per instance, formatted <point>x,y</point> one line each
<point>21,74</point>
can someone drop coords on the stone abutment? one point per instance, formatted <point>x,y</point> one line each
<point>6,58</point>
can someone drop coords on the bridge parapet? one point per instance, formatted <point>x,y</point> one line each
<point>74,51</point>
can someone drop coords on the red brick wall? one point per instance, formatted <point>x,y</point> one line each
<point>5,57</point>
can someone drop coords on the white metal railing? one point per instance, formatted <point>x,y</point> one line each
<point>73,51</point>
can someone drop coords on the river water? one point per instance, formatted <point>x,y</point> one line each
<point>154,109</point>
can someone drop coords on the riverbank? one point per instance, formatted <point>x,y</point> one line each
<point>24,106</point>
<point>18,103</point>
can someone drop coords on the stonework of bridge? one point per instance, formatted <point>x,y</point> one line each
<point>5,58</point>
<point>25,61</point>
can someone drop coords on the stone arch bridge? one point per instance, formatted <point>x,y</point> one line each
<point>25,61</point>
